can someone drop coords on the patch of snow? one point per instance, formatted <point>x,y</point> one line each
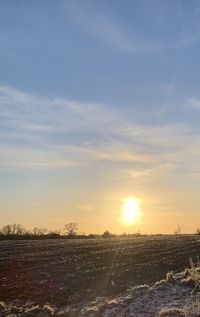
<point>169,297</point>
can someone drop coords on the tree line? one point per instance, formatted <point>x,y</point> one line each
<point>17,231</point>
<point>70,230</point>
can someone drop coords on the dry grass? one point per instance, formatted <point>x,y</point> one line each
<point>193,279</point>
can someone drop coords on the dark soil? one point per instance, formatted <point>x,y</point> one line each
<point>64,272</point>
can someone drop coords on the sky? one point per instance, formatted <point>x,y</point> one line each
<point>99,101</point>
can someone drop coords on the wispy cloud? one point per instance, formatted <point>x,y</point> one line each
<point>193,103</point>
<point>48,133</point>
<point>104,25</point>
<point>101,25</point>
<point>16,157</point>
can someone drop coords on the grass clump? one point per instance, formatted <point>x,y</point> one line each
<point>172,312</point>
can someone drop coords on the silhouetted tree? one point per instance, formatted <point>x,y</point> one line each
<point>177,231</point>
<point>6,230</point>
<point>40,231</point>
<point>53,234</point>
<point>198,231</point>
<point>71,228</point>
<point>13,230</point>
<point>106,234</point>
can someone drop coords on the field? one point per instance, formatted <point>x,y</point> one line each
<point>65,272</point>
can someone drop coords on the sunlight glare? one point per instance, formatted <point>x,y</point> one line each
<point>131,210</point>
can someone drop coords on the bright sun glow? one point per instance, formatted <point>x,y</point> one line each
<point>131,210</point>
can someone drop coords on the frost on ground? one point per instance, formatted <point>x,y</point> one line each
<point>176,295</point>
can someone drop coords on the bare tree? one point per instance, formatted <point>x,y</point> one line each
<point>40,231</point>
<point>6,230</point>
<point>18,229</point>
<point>71,228</point>
<point>177,231</point>
<point>106,234</point>
<point>198,231</point>
<point>13,230</point>
<point>35,231</point>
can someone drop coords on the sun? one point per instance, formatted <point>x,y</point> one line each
<point>131,210</point>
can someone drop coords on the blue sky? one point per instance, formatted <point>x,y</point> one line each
<point>100,100</point>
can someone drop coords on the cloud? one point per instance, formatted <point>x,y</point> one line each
<point>105,25</point>
<point>102,25</point>
<point>16,157</point>
<point>41,132</point>
<point>38,132</point>
<point>193,103</point>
